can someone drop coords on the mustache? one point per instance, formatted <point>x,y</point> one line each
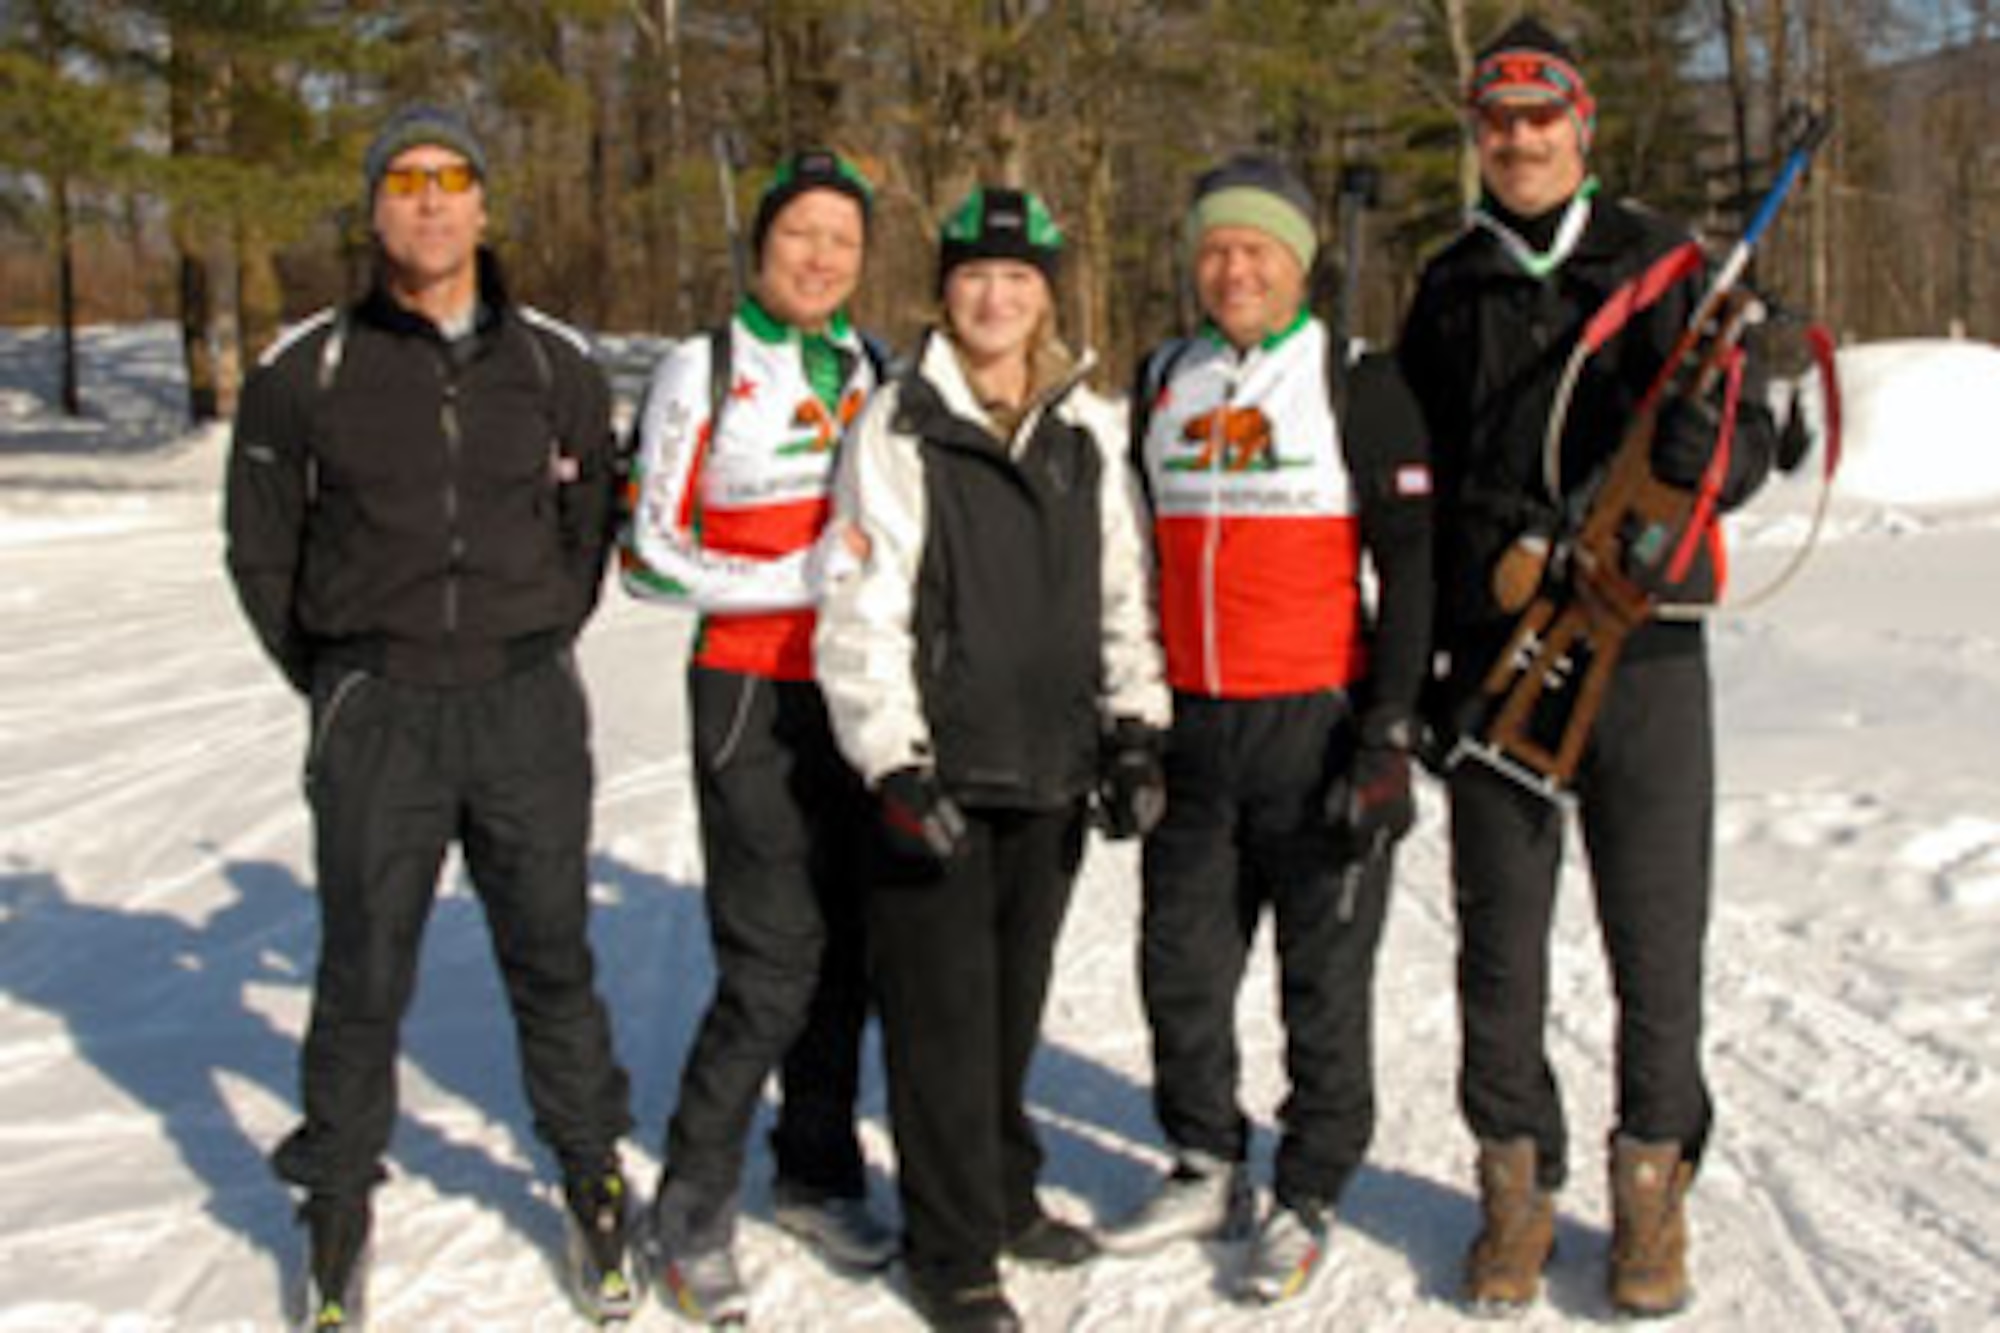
<point>1522,154</point>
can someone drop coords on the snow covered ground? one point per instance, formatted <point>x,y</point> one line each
<point>157,931</point>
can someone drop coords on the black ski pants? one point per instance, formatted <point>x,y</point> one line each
<point>962,959</point>
<point>786,829</point>
<point>1645,803</point>
<point>395,774</point>
<point>1245,829</point>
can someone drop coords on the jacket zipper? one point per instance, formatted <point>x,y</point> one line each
<point>455,549</point>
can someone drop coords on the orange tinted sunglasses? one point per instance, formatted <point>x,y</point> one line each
<point>1499,117</point>
<point>407,182</point>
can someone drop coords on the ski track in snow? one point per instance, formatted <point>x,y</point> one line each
<point>157,933</point>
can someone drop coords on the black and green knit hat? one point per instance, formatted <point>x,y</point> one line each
<point>996,222</point>
<point>804,171</point>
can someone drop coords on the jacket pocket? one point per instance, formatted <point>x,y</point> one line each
<point>326,715</point>
<point>724,703</point>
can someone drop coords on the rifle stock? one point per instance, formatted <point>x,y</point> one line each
<point>1542,695</point>
<point>1544,691</point>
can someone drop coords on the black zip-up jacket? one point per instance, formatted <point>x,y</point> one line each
<point>1483,349</point>
<point>435,512</point>
<point>1009,605</point>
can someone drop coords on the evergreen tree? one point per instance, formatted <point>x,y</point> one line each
<point>64,126</point>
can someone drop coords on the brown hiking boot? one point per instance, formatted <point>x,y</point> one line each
<point>1503,1270</point>
<point>1649,1234</point>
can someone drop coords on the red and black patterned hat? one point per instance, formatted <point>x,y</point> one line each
<point>1528,62</point>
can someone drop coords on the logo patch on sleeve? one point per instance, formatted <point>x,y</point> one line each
<point>1413,479</point>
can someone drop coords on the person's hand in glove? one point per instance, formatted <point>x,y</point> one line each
<point>922,822</point>
<point>1684,439</point>
<point>1131,784</point>
<point>1371,806</point>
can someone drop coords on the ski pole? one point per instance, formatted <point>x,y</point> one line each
<point>725,168</point>
<point>1817,127</point>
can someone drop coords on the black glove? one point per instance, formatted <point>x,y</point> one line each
<point>1794,438</point>
<point>922,822</point>
<point>1131,784</point>
<point>1684,439</point>
<point>1371,804</point>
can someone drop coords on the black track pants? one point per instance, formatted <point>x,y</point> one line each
<point>962,964</point>
<point>395,774</point>
<point>1646,800</point>
<point>1244,829</point>
<point>786,827</point>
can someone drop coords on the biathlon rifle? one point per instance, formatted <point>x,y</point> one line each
<point>1585,593</point>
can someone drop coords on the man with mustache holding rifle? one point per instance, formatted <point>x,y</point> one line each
<point>1495,319</point>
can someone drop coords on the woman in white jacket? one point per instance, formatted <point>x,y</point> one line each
<point>988,658</point>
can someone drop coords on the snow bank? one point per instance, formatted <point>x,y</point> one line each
<point>1922,422</point>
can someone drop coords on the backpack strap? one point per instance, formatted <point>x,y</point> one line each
<point>332,350</point>
<point>545,372</point>
<point>1155,373</point>
<point>331,353</point>
<point>721,350</point>
<point>1339,374</point>
<point>881,359</point>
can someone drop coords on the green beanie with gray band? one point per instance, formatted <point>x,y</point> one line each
<point>1256,190</point>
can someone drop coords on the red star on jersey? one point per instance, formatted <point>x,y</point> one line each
<point>745,389</point>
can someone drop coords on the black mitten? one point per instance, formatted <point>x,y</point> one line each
<point>1684,439</point>
<point>1372,803</point>
<point>922,822</point>
<point>1131,782</point>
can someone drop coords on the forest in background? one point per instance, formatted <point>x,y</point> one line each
<point>198,159</point>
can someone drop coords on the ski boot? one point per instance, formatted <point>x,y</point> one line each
<point>603,1277</point>
<point>1201,1197</point>
<point>337,1261</point>
<point>694,1262</point>
<point>839,1227</point>
<point>1286,1253</point>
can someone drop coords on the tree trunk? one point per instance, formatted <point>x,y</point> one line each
<point>606,169</point>
<point>1819,45</point>
<point>1460,36</point>
<point>185,91</point>
<point>1095,262</point>
<point>197,348</point>
<point>72,397</point>
<point>680,242</point>
<point>259,295</point>
<point>1735,45</point>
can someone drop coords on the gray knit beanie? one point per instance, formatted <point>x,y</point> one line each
<point>414,125</point>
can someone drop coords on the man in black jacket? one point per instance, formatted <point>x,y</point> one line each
<point>1494,321</point>
<point>418,512</point>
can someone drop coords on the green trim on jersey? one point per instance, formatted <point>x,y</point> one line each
<point>1269,342</point>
